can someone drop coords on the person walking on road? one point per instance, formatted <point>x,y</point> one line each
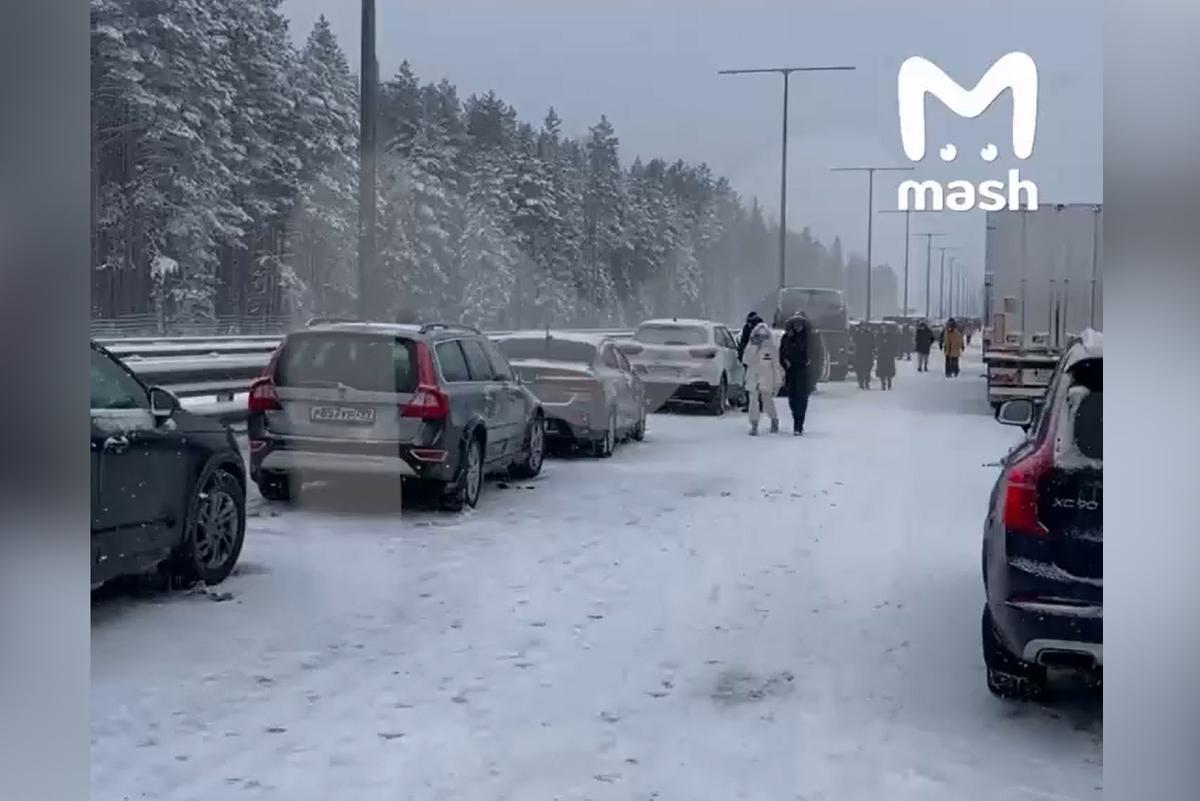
<point>952,347</point>
<point>885,356</point>
<point>762,376</point>
<point>752,320</point>
<point>799,355</point>
<point>923,343</point>
<point>864,355</point>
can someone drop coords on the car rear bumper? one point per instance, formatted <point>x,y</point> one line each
<point>573,421</point>
<point>687,390</point>
<point>1043,630</point>
<point>342,459</point>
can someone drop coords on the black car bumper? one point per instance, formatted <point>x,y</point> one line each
<point>1042,615</point>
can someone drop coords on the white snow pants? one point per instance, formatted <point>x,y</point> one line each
<point>765,395</point>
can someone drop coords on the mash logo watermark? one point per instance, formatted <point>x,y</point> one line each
<point>919,77</point>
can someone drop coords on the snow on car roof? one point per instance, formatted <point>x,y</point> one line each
<point>1090,345</point>
<point>366,328</point>
<point>563,336</point>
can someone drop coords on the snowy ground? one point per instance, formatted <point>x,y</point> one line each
<point>706,616</point>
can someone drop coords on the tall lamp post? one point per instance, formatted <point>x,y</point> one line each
<point>870,171</point>
<point>367,105</point>
<point>942,281</point>
<point>907,246</point>
<point>928,268</point>
<point>786,72</point>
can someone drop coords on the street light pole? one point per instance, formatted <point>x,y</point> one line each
<point>786,73</point>
<point>1095,261</point>
<point>368,96</point>
<point>928,262</point>
<point>907,246</point>
<point>870,171</point>
<point>942,283</point>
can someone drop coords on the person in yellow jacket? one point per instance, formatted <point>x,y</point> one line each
<point>952,347</point>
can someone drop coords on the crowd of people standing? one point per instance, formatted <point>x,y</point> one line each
<point>793,362</point>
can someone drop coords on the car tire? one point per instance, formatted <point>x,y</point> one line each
<point>607,444</point>
<point>639,429</point>
<point>534,455</point>
<point>275,487</point>
<point>1008,676</point>
<point>719,401</point>
<point>467,488</point>
<point>213,531</point>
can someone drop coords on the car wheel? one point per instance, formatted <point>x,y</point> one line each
<point>466,490</point>
<point>720,401</point>
<point>607,444</point>
<point>213,531</point>
<point>275,487</point>
<point>639,430</point>
<point>535,450</point>
<point>1008,676</point>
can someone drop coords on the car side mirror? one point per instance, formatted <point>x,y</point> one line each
<point>1017,412</point>
<point>163,404</point>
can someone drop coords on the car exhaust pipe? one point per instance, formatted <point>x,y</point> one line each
<point>1070,660</point>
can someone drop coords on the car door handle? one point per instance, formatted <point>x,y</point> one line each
<point>116,444</point>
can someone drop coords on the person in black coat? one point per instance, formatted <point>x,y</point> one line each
<point>801,357</point>
<point>864,354</point>
<point>887,348</point>
<point>923,341</point>
<point>752,320</point>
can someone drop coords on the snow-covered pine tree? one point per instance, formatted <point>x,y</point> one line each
<point>325,217</point>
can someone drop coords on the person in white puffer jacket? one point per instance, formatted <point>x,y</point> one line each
<point>762,376</point>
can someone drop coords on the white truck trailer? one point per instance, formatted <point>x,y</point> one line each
<point>1043,284</point>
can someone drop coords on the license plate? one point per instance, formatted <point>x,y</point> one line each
<point>663,369</point>
<point>343,414</point>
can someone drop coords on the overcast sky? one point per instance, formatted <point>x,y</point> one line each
<point>650,66</point>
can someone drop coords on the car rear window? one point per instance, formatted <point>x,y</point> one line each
<point>555,350</point>
<point>365,363</point>
<point>1089,426</point>
<point>672,335</point>
<point>453,363</point>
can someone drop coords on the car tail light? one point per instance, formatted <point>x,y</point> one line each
<point>263,397</point>
<point>1021,489</point>
<point>703,353</point>
<point>428,402</point>
<point>630,348</point>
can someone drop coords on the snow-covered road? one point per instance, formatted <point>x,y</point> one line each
<point>705,617</point>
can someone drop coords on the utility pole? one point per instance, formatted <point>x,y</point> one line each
<point>368,95</point>
<point>942,283</point>
<point>928,262</point>
<point>870,171</point>
<point>786,72</point>
<point>907,246</point>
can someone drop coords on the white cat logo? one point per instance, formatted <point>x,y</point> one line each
<point>919,77</point>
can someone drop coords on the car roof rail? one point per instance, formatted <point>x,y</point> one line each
<point>330,321</point>
<point>427,327</point>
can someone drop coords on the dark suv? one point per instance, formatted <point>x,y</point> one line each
<point>1043,540</point>
<point>436,405</point>
<point>168,486</point>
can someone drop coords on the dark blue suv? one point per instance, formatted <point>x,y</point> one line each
<point>1044,537</point>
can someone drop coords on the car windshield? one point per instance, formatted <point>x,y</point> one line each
<point>367,363</point>
<point>547,349</point>
<point>658,334</point>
